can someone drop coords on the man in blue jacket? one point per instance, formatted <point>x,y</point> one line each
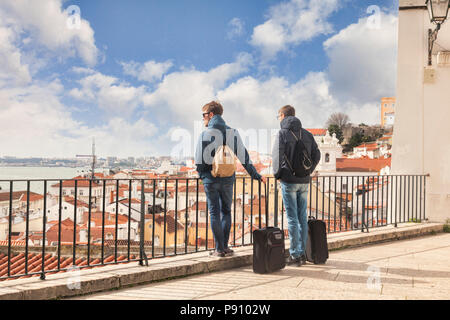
<point>294,189</point>
<point>219,190</point>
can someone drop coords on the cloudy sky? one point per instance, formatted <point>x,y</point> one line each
<point>134,74</point>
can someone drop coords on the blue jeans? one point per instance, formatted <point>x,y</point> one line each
<point>295,197</point>
<point>220,197</point>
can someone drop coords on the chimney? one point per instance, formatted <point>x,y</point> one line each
<point>83,235</point>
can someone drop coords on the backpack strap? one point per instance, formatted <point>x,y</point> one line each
<point>305,153</point>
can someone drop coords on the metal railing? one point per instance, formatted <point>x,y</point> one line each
<point>90,223</point>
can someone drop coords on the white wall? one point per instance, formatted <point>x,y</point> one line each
<point>420,143</point>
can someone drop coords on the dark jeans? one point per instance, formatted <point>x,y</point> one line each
<point>220,196</point>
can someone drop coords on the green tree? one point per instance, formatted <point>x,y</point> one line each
<point>356,140</point>
<point>334,128</point>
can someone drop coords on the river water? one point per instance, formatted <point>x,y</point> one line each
<point>41,173</point>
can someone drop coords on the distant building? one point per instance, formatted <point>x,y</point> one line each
<point>387,111</point>
<point>318,134</point>
<point>330,150</point>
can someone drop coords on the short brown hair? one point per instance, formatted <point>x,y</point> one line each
<point>214,107</point>
<point>287,111</point>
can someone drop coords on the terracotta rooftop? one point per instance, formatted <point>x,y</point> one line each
<point>17,265</point>
<point>16,195</point>
<point>80,203</point>
<point>361,165</point>
<point>317,132</point>
<point>33,197</point>
<point>81,183</point>
<point>367,145</point>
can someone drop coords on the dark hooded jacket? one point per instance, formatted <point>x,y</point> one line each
<point>285,144</point>
<point>216,134</point>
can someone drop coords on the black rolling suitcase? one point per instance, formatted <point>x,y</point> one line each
<point>268,248</point>
<point>316,246</point>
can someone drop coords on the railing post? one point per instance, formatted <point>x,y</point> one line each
<point>142,255</point>
<point>44,218</point>
<point>363,218</point>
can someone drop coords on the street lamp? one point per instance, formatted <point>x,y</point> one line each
<point>438,11</point>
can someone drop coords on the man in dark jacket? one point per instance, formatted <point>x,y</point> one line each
<point>219,191</point>
<point>294,189</point>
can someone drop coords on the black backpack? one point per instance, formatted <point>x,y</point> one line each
<point>302,164</point>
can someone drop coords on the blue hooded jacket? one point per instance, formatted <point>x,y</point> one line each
<point>210,140</point>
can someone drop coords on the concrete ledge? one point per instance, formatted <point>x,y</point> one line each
<point>113,277</point>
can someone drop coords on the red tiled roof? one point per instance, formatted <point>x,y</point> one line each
<point>80,203</point>
<point>362,165</point>
<point>192,188</point>
<point>4,196</point>
<point>367,145</point>
<point>33,197</point>
<point>317,132</point>
<point>14,243</point>
<point>17,264</point>
<point>81,183</point>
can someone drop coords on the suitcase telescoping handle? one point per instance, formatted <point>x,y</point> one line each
<point>266,194</point>
<point>266,200</point>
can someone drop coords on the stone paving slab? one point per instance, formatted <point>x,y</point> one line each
<point>120,276</point>
<point>340,278</point>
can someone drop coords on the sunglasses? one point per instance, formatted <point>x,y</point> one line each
<point>205,113</point>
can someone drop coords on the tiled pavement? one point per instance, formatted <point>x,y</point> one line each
<point>416,268</point>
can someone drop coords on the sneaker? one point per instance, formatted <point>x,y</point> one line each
<point>303,259</point>
<point>228,252</point>
<point>291,261</point>
<point>215,253</point>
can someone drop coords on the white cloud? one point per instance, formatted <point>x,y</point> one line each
<point>291,23</point>
<point>363,60</point>
<point>251,103</point>
<point>12,67</point>
<point>46,24</point>
<point>82,70</point>
<point>109,93</point>
<point>181,92</point>
<point>236,28</point>
<point>38,124</point>
<point>150,71</point>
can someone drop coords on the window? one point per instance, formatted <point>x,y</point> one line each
<point>81,193</point>
<point>327,157</point>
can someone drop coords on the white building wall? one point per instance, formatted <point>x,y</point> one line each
<point>422,114</point>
